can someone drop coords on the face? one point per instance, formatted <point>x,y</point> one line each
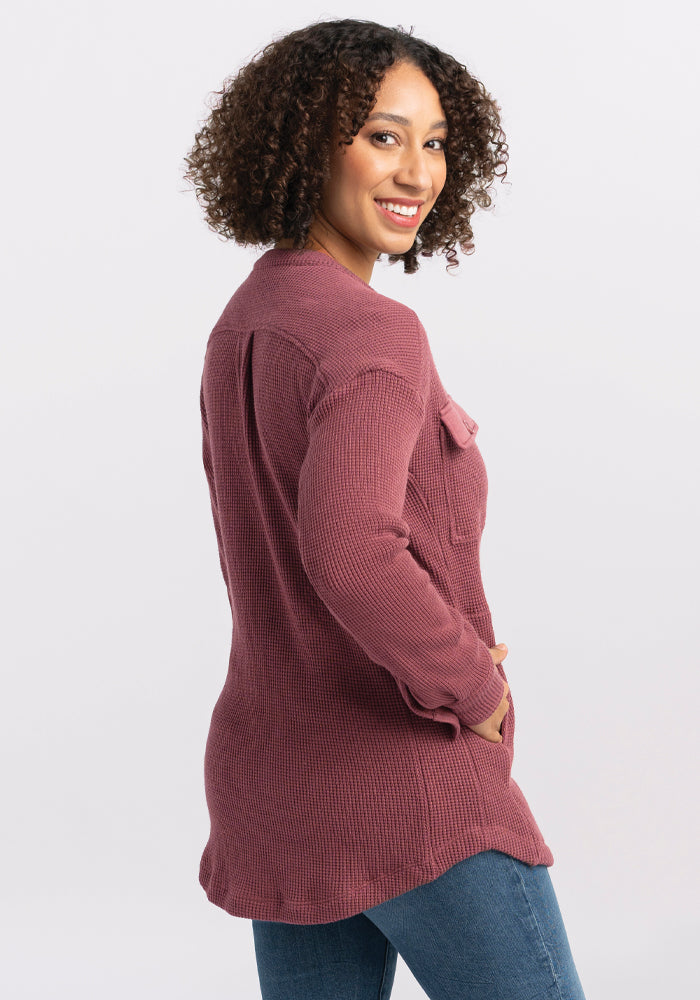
<point>382,187</point>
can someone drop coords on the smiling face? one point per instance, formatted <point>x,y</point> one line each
<point>383,185</point>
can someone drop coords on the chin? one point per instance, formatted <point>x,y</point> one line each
<point>398,247</point>
<point>400,250</point>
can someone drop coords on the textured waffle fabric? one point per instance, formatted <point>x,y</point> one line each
<point>349,498</point>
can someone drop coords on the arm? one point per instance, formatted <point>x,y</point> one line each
<point>354,548</point>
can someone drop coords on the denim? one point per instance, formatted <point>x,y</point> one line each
<point>489,928</point>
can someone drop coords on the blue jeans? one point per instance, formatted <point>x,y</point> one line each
<point>489,928</point>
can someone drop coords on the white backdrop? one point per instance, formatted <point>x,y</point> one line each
<point>569,335</point>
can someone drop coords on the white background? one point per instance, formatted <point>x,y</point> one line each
<point>570,337</point>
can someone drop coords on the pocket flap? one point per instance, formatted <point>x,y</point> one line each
<point>458,422</point>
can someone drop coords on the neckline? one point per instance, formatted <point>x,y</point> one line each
<point>305,256</point>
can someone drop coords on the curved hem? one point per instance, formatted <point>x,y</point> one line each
<point>371,893</point>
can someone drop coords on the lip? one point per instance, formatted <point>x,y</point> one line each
<point>403,221</point>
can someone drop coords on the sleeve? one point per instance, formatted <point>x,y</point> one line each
<point>354,549</point>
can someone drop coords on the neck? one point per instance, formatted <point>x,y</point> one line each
<point>324,238</point>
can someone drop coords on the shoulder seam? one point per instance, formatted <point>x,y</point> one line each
<point>368,370</point>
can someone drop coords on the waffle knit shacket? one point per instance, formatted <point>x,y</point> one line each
<point>349,498</point>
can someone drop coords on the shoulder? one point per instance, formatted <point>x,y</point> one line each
<point>351,325</point>
<point>332,316</point>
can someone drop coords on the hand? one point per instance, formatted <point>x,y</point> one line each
<point>490,729</point>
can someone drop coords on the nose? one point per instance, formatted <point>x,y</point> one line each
<point>413,170</point>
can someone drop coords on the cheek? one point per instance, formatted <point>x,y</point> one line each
<point>361,169</point>
<point>345,180</point>
<point>334,194</point>
<point>439,178</point>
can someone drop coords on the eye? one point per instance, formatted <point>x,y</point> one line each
<point>381,138</point>
<point>391,139</point>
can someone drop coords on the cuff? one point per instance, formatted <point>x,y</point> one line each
<point>484,702</point>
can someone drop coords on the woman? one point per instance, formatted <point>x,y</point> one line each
<point>358,763</point>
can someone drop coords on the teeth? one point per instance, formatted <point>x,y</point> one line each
<point>408,210</point>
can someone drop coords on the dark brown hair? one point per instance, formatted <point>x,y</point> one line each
<point>261,157</point>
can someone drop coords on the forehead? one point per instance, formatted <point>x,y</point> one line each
<point>407,92</point>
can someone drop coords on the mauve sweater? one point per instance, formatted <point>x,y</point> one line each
<point>349,498</point>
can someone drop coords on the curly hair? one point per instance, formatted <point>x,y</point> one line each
<point>261,158</point>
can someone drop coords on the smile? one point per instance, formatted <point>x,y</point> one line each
<point>403,215</point>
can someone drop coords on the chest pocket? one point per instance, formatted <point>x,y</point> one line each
<point>464,472</point>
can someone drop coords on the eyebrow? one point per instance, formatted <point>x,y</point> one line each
<point>400,120</point>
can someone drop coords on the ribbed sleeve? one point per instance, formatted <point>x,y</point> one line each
<point>354,547</point>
